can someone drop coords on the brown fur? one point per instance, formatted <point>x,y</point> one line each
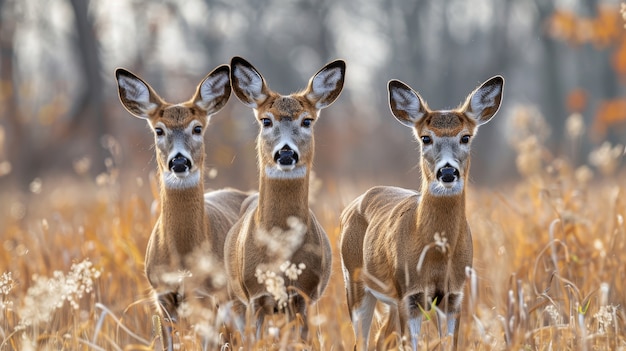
<point>191,224</point>
<point>447,123</point>
<point>389,234</point>
<point>278,200</point>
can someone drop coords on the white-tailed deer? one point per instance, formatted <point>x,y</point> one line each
<point>410,249</point>
<point>192,224</point>
<point>277,255</point>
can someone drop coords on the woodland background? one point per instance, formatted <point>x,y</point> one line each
<point>59,113</point>
<point>545,202</point>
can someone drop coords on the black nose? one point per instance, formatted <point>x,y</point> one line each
<point>447,174</point>
<point>286,156</point>
<point>180,164</point>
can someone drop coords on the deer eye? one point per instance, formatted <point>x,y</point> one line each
<point>159,131</point>
<point>426,140</point>
<point>307,122</point>
<point>465,139</point>
<point>266,122</point>
<point>197,130</point>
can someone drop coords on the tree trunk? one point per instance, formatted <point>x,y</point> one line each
<point>87,116</point>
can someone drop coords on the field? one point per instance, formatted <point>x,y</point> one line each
<point>549,262</point>
<point>78,200</point>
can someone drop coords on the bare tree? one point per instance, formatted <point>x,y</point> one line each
<point>15,133</point>
<point>88,113</point>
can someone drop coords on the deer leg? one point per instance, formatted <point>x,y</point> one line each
<point>453,315</point>
<point>453,322</point>
<point>233,315</point>
<point>389,327</point>
<point>251,318</point>
<point>167,334</point>
<point>411,327</point>
<point>169,302</point>
<point>411,317</point>
<point>239,311</point>
<point>415,327</point>
<point>361,317</point>
<point>298,309</point>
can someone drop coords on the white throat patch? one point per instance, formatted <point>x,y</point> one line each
<point>437,189</point>
<point>273,172</point>
<point>171,181</point>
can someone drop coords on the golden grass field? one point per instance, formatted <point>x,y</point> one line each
<point>549,266</point>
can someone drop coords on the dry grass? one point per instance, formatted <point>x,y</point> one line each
<point>550,258</point>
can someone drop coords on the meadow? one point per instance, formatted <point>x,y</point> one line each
<point>549,262</point>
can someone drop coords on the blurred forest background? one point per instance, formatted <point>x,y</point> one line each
<point>564,62</point>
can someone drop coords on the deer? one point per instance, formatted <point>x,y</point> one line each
<point>278,238</point>
<point>192,224</point>
<point>410,249</point>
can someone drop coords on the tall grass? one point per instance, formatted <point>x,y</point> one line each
<point>549,263</point>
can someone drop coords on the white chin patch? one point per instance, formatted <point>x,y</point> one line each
<point>285,172</point>
<point>286,168</point>
<point>438,188</point>
<point>173,180</point>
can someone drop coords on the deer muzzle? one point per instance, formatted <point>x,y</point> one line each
<point>286,157</point>
<point>179,164</point>
<point>447,174</point>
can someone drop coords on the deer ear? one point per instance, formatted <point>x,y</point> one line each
<point>326,85</point>
<point>406,105</point>
<point>136,95</point>
<point>248,84</point>
<point>214,90</point>
<point>483,103</point>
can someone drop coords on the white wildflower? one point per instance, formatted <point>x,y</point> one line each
<point>175,278</point>
<point>212,173</point>
<point>528,130</point>
<point>281,244</point>
<point>574,125</point>
<point>36,186</point>
<point>291,270</point>
<point>275,285</point>
<point>604,293</point>
<point>605,318</point>
<point>185,309</point>
<point>554,314</point>
<point>583,174</point>
<point>526,121</point>
<point>529,156</point>
<point>206,267</point>
<point>49,294</point>
<point>273,331</point>
<point>82,165</point>
<point>5,168</point>
<point>441,242</point>
<point>607,157</point>
<point>6,283</point>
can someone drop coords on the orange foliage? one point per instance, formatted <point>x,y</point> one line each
<point>609,113</point>
<point>619,57</point>
<point>607,28</point>
<point>602,30</point>
<point>563,25</point>
<point>605,31</point>
<point>576,100</point>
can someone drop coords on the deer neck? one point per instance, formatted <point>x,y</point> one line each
<point>281,198</point>
<point>182,217</point>
<point>441,214</point>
